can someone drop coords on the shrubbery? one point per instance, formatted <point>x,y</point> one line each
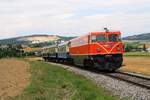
<point>12,51</point>
<point>135,46</point>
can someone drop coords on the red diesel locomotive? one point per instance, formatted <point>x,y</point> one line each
<point>100,49</point>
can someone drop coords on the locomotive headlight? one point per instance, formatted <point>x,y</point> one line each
<point>118,49</point>
<point>98,49</point>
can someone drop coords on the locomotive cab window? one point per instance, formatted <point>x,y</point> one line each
<point>99,38</point>
<point>114,38</point>
<point>93,38</point>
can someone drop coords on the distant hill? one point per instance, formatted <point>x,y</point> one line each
<point>145,36</point>
<point>33,39</point>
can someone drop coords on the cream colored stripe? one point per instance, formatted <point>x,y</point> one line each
<point>113,47</point>
<point>101,46</point>
<point>98,53</point>
<point>92,43</point>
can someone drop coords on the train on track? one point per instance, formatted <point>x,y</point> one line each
<point>103,50</point>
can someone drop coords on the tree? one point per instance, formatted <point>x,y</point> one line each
<point>144,47</point>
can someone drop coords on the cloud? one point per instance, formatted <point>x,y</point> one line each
<point>72,17</point>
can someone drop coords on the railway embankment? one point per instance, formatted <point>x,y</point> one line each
<point>119,88</point>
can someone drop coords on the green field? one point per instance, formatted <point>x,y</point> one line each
<point>49,82</point>
<point>146,54</point>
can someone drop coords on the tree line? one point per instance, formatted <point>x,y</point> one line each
<point>129,47</point>
<point>10,50</point>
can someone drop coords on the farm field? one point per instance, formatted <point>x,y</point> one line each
<point>137,64</point>
<point>29,79</point>
<point>14,77</point>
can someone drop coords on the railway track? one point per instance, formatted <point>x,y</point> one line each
<point>118,88</point>
<point>138,80</point>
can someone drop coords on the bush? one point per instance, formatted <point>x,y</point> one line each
<point>132,47</point>
<point>11,51</point>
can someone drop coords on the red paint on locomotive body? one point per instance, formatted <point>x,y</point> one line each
<point>85,46</point>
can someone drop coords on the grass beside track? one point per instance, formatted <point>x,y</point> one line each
<point>145,54</point>
<point>49,82</point>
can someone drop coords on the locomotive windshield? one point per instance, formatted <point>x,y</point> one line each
<point>114,38</point>
<point>106,38</point>
<point>99,38</point>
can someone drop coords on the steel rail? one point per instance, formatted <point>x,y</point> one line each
<point>143,82</point>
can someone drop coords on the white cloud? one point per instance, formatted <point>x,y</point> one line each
<point>73,17</point>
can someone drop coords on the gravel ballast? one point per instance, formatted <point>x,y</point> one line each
<point>117,87</point>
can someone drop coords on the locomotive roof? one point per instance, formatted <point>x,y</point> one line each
<point>51,46</point>
<point>63,43</point>
<point>96,33</point>
<point>111,32</point>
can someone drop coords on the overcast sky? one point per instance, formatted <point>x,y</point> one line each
<point>72,17</point>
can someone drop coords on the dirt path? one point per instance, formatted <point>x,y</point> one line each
<point>14,76</point>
